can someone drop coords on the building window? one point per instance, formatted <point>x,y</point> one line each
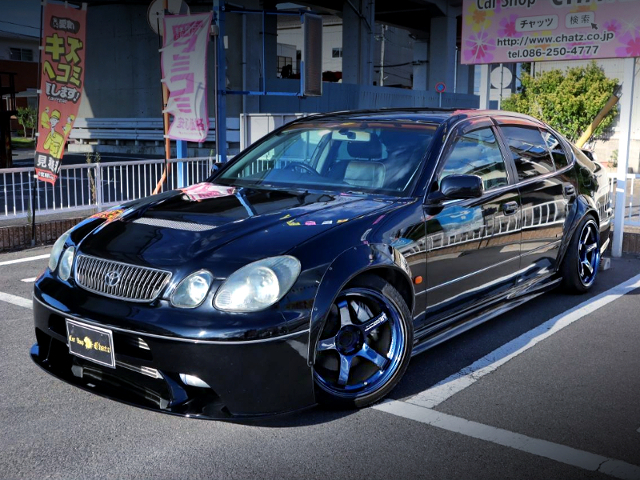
<point>23,54</point>
<point>336,52</point>
<point>285,67</point>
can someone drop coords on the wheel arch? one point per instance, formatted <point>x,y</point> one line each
<point>381,260</point>
<point>395,277</point>
<point>584,206</point>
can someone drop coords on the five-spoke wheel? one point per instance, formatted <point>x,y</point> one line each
<point>365,345</point>
<point>580,265</point>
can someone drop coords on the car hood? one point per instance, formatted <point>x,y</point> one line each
<point>189,225</point>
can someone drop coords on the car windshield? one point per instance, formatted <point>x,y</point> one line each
<point>379,157</point>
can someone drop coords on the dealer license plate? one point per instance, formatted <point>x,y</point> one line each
<point>91,343</point>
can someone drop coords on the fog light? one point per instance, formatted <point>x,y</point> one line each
<point>193,381</point>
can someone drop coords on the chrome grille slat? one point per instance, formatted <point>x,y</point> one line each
<point>150,285</point>
<point>88,277</point>
<point>105,270</point>
<point>91,273</point>
<point>85,277</point>
<point>116,289</point>
<point>152,294</point>
<point>144,281</point>
<point>99,272</point>
<point>126,288</point>
<point>102,269</point>
<point>139,291</point>
<point>136,284</point>
<point>146,288</point>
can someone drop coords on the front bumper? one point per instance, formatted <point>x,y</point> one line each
<point>246,378</point>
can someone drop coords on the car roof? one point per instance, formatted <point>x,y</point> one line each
<point>421,115</point>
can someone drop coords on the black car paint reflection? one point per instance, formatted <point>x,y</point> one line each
<point>454,262</point>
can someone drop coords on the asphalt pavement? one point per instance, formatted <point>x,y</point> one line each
<point>548,390</point>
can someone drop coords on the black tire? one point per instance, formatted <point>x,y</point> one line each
<point>369,335</point>
<point>579,268</point>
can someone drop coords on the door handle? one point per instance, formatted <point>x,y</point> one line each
<point>510,208</point>
<point>569,190</point>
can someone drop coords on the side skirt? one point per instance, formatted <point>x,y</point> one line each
<point>461,323</point>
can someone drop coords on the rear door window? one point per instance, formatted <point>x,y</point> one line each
<point>556,148</point>
<point>529,150</point>
<point>477,153</point>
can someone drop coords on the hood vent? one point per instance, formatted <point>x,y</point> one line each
<point>174,224</point>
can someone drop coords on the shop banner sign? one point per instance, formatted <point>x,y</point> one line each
<point>62,59</point>
<point>184,71</point>
<point>503,31</point>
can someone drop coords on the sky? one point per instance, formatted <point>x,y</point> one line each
<point>20,16</point>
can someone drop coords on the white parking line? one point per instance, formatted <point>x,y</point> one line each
<point>466,377</point>
<point>25,259</point>
<point>554,451</point>
<point>15,300</point>
<point>29,280</point>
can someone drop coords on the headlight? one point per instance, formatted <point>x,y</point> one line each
<point>258,285</point>
<point>66,261</point>
<point>192,290</point>
<point>54,258</point>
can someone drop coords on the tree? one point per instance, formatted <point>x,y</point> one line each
<point>567,101</point>
<point>27,118</point>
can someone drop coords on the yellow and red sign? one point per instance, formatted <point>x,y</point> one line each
<point>63,54</point>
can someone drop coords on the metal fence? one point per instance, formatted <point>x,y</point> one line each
<point>94,185</point>
<point>100,185</point>
<point>632,199</point>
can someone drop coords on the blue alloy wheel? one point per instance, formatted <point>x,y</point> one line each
<point>588,253</point>
<point>365,346</point>
<point>580,266</point>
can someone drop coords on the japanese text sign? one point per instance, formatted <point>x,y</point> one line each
<point>62,77</point>
<point>184,71</point>
<point>501,31</point>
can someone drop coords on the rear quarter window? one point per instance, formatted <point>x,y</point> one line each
<point>529,150</point>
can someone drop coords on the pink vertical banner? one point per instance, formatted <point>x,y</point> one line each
<point>184,71</point>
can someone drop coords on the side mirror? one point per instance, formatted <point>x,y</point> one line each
<point>458,187</point>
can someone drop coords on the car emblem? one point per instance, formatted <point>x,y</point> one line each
<point>111,279</point>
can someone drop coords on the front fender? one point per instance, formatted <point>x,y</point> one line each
<point>348,265</point>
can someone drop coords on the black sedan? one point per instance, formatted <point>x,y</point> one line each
<point>314,265</point>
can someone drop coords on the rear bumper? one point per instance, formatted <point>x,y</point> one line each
<point>247,378</point>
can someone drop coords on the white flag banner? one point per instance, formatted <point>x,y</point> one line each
<point>184,71</point>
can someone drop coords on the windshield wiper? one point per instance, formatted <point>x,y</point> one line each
<point>242,198</point>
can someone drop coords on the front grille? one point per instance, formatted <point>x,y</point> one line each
<point>120,280</point>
